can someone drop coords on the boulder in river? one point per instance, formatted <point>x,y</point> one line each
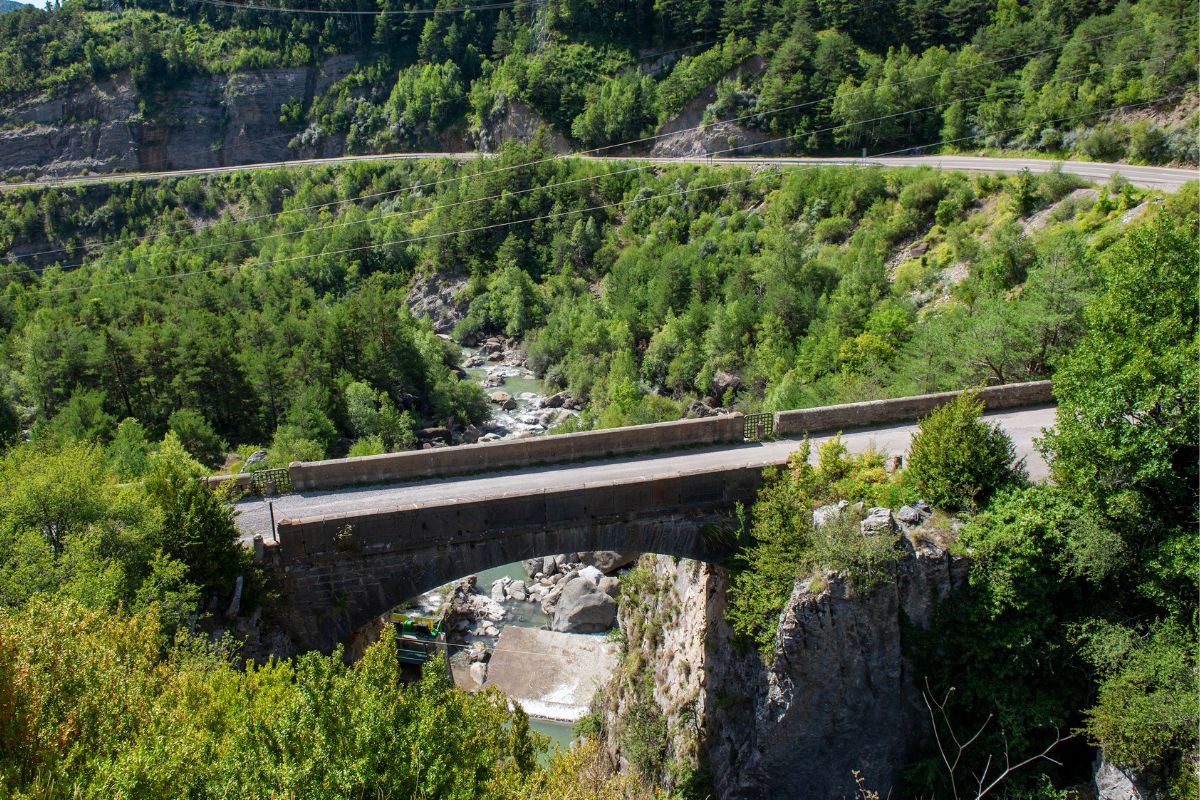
<point>257,457</point>
<point>592,574</point>
<point>723,381</point>
<point>583,607</point>
<point>434,434</point>
<point>551,599</point>
<point>479,673</point>
<point>608,561</point>
<point>556,400</point>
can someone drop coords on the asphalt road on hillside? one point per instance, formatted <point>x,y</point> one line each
<point>1164,178</point>
<point>1022,425</point>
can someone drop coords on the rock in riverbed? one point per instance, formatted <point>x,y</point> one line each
<point>583,607</point>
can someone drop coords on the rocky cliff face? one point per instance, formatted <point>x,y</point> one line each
<point>516,120</point>
<point>681,135</point>
<point>837,697</point>
<point>666,614</point>
<point>206,122</point>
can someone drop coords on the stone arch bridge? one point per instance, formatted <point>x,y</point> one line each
<point>359,536</point>
<point>342,571</point>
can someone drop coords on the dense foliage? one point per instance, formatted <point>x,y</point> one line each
<point>810,77</point>
<point>112,684</point>
<point>271,307</point>
<point>185,317</point>
<point>957,461</point>
<point>784,541</point>
<point>68,528</point>
<point>1079,617</point>
<point>1083,593</point>
<point>98,705</point>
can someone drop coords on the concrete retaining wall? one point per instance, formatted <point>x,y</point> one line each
<point>904,409</point>
<point>515,453</point>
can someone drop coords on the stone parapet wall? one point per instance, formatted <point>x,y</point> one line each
<point>238,481</point>
<point>589,445</point>
<point>905,409</point>
<point>515,453</point>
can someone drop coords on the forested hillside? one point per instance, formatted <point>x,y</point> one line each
<point>273,306</point>
<point>1093,78</point>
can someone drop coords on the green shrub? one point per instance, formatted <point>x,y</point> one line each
<point>10,423</point>
<point>1104,143</point>
<point>587,726</point>
<point>367,446</point>
<point>1145,714</point>
<point>956,460</point>
<point>309,415</point>
<point>128,454</point>
<point>644,737</point>
<point>197,525</point>
<point>924,194</point>
<point>82,418</point>
<point>197,436</point>
<point>290,445</point>
<point>1148,143</point>
<point>833,230</point>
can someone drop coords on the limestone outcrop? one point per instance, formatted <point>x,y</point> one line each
<point>836,696</point>
<point>207,121</point>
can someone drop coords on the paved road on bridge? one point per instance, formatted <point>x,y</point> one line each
<point>1023,425</point>
<point>1164,178</point>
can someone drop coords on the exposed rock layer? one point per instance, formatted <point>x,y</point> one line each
<point>838,695</point>
<point>207,121</point>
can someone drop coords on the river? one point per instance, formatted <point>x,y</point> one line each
<point>528,392</point>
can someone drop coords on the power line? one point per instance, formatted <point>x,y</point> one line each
<point>410,240</point>
<point>1126,107</point>
<point>411,12</point>
<point>642,140</point>
<point>509,223</point>
<point>585,179</point>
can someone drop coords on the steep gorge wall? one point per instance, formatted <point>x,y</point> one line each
<point>838,695</point>
<point>207,121</point>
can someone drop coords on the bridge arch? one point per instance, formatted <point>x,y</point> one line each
<point>340,572</point>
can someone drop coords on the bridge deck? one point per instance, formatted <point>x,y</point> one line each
<point>1023,425</point>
